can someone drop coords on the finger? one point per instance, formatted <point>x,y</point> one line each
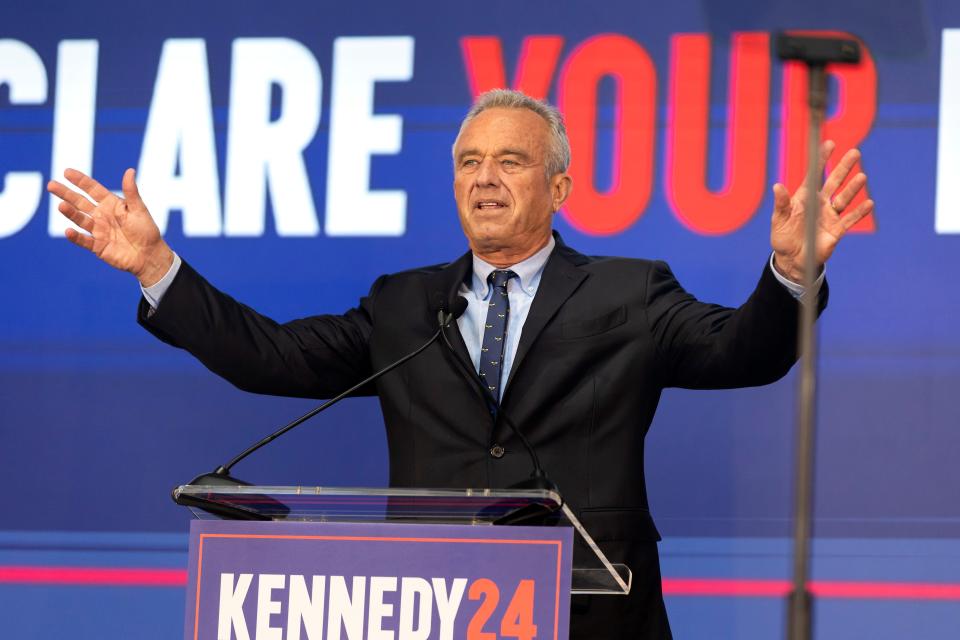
<point>826,150</point>
<point>130,191</point>
<point>67,194</point>
<point>849,192</point>
<point>76,216</point>
<point>79,239</point>
<point>841,171</point>
<point>855,216</point>
<point>88,185</point>
<point>781,201</point>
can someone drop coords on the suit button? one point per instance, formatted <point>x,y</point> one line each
<point>497,451</point>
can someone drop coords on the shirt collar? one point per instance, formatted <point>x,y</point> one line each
<point>528,271</point>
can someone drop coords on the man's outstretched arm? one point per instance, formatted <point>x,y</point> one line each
<point>312,357</point>
<point>709,346</point>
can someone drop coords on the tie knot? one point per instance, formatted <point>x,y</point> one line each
<point>500,277</point>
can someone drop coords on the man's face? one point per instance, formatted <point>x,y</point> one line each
<point>504,197</point>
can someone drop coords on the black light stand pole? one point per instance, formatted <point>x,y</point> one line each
<point>816,53</point>
<point>799,619</point>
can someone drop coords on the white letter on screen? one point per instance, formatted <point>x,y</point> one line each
<point>305,607</point>
<point>231,606</point>
<point>448,605</point>
<point>23,71</point>
<point>74,118</point>
<point>261,150</point>
<point>356,134</point>
<point>948,145</point>
<point>378,609</point>
<point>180,134</point>
<point>266,606</point>
<point>346,609</point>
<point>415,627</point>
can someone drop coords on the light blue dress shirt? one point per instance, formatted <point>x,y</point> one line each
<point>520,293</point>
<point>154,292</point>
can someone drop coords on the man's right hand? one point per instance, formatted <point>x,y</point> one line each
<point>121,231</point>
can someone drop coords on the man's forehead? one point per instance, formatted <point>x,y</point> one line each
<point>502,130</point>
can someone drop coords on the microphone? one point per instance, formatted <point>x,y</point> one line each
<point>221,475</point>
<point>446,318</point>
<point>538,478</point>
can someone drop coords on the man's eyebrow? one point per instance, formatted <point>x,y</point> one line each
<point>467,152</point>
<point>514,152</point>
<point>500,152</point>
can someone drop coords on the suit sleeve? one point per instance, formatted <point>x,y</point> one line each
<point>708,346</point>
<point>315,357</point>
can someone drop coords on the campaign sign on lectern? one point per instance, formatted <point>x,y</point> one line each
<point>378,581</point>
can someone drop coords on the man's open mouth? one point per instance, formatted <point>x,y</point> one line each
<point>489,204</point>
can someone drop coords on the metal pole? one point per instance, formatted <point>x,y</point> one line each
<point>799,621</point>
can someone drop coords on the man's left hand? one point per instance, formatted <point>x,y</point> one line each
<point>787,224</point>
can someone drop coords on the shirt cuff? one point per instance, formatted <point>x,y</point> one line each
<point>154,293</point>
<point>796,290</point>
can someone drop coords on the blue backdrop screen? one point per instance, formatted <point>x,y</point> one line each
<point>294,152</point>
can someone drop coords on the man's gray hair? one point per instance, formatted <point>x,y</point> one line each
<point>558,150</point>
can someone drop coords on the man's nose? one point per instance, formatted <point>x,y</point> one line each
<point>488,173</point>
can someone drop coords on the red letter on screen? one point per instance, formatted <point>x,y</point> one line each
<point>688,122</point>
<point>632,164</point>
<point>483,59</point>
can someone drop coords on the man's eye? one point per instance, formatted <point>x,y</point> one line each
<point>469,163</point>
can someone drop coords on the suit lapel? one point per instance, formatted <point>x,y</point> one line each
<point>561,277</point>
<point>442,288</point>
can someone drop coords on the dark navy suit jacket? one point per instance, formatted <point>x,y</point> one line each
<point>603,338</point>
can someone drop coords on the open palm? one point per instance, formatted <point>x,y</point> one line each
<point>787,223</point>
<point>119,231</point>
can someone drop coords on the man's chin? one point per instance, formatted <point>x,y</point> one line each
<point>488,227</point>
<point>488,240</point>
<point>493,214</point>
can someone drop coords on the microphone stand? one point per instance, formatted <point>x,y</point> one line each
<point>221,475</point>
<point>816,53</point>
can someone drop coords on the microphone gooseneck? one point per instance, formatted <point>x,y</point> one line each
<point>221,475</point>
<point>538,478</point>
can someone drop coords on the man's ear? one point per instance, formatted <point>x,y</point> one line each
<point>561,185</point>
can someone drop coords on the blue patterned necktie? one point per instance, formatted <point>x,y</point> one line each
<point>495,332</point>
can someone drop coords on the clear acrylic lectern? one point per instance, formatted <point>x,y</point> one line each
<point>592,572</point>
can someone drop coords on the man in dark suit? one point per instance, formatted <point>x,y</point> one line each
<point>574,349</point>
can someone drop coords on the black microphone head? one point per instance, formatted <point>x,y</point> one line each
<point>438,301</point>
<point>458,306</point>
